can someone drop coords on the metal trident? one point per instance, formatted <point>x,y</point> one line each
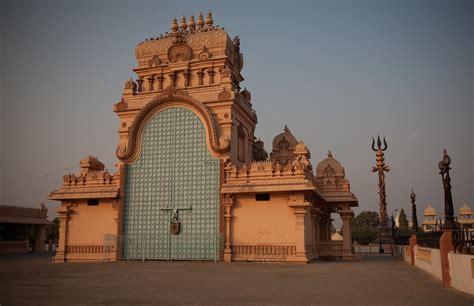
<point>379,144</point>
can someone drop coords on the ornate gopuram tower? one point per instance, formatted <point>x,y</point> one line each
<point>192,181</point>
<point>180,120</point>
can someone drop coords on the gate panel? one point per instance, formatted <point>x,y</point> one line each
<point>174,171</point>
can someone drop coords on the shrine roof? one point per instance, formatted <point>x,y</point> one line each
<point>202,36</point>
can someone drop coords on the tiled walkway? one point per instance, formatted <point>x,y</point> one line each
<point>374,280</point>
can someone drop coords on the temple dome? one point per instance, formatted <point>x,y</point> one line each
<point>329,163</point>
<point>465,210</point>
<point>285,136</point>
<point>283,147</point>
<point>430,211</point>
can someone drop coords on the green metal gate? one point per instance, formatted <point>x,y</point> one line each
<point>174,177</point>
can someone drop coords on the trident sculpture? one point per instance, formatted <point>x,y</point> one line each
<point>381,168</point>
<point>414,218</point>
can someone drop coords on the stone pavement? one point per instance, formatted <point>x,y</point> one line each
<point>374,280</point>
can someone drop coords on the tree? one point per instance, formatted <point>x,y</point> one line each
<point>364,227</point>
<point>53,230</point>
<point>403,229</point>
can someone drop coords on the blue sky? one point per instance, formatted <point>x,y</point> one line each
<point>336,72</point>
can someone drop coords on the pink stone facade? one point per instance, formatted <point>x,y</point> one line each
<point>273,207</point>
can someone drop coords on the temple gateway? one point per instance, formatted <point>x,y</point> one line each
<point>192,180</point>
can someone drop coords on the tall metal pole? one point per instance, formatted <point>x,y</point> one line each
<point>444,168</point>
<point>381,168</point>
<point>414,218</point>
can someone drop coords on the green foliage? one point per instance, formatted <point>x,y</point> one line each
<point>364,235</point>
<point>53,230</point>
<point>403,228</point>
<point>364,227</point>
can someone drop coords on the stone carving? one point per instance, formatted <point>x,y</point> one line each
<point>154,61</point>
<point>204,55</point>
<point>246,94</point>
<point>130,86</point>
<point>225,72</point>
<point>180,52</point>
<point>121,106</point>
<point>258,151</point>
<point>224,95</point>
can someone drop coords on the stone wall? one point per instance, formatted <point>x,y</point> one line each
<point>462,272</point>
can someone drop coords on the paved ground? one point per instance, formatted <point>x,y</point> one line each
<point>374,280</point>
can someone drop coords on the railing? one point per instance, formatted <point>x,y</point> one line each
<point>429,239</point>
<point>85,248</point>
<point>263,253</point>
<point>401,241</point>
<point>146,247</point>
<point>463,241</point>
<point>329,248</point>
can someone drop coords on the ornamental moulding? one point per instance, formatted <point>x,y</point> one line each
<point>129,152</point>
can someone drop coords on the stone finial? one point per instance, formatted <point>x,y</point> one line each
<point>330,154</point>
<point>286,129</point>
<point>200,21</point>
<point>191,23</point>
<point>182,24</point>
<point>209,20</point>
<point>174,25</point>
<point>90,163</point>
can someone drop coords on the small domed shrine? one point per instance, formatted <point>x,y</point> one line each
<point>193,182</point>
<point>466,217</point>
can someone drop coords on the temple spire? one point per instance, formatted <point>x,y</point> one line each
<point>174,25</point>
<point>209,20</point>
<point>182,24</point>
<point>200,21</point>
<point>191,23</point>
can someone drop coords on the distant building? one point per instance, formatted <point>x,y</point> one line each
<point>430,223</point>
<point>15,222</point>
<point>466,218</point>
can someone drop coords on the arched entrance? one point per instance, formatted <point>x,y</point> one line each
<point>172,191</point>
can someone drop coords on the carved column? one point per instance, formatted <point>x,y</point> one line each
<point>160,81</point>
<point>186,75</point>
<point>228,203</point>
<point>172,77</point>
<point>151,79</point>
<point>140,84</point>
<point>210,72</point>
<point>346,216</point>
<point>300,210</point>
<point>200,74</point>
<point>63,215</point>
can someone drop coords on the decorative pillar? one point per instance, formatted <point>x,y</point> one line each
<point>186,75</point>
<point>228,203</point>
<point>414,218</point>
<point>210,72</point>
<point>172,77</point>
<point>300,210</point>
<point>140,83</point>
<point>446,241</point>
<point>160,81</point>
<point>200,74</point>
<point>40,233</point>
<point>151,79</point>
<point>346,216</point>
<point>63,215</point>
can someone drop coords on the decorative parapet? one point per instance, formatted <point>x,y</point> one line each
<point>94,181</point>
<point>268,176</point>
